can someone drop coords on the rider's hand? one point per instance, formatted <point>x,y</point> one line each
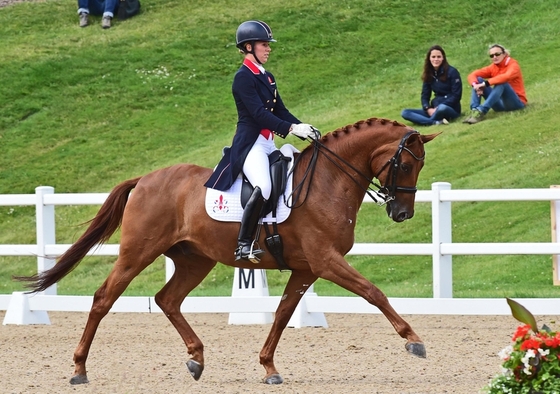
<point>303,131</point>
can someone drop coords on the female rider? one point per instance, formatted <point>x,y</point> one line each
<point>261,115</point>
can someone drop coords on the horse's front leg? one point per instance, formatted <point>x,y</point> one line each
<point>297,285</point>
<point>337,270</point>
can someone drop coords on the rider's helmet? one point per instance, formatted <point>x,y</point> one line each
<point>251,31</point>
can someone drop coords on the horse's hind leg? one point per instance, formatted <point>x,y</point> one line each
<point>296,287</point>
<point>343,274</point>
<point>189,272</point>
<point>121,275</point>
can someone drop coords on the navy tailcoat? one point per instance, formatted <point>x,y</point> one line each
<point>259,107</point>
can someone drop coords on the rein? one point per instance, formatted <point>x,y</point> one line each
<point>381,196</point>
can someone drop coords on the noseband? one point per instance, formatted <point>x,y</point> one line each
<point>383,194</point>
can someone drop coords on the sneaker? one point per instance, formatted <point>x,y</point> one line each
<point>476,117</point>
<point>440,122</point>
<point>84,19</point>
<point>106,22</point>
<point>470,116</point>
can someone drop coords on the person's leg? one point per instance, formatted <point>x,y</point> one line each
<point>256,166</point>
<point>493,100</point>
<point>95,7</point>
<point>110,7</point>
<point>509,100</point>
<point>417,116</point>
<point>445,112</point>
<point>475,98</point>
<point>477,112</point>
<point>83,6</point>
<point>256,169</point>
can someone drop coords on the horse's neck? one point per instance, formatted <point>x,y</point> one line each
<point>350,174</point>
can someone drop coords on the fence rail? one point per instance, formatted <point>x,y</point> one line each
<point>441,249</point>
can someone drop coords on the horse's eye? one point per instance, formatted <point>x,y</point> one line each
<point>405,167</point>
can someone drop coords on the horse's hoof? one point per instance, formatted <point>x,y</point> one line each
<point>79,379</point>
<point>194,368</point>
<point>273,379</point>
<point>418,349</point>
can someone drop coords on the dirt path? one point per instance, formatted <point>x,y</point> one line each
<point>142,353</point>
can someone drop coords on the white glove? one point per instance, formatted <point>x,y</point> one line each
<point>303,130</point>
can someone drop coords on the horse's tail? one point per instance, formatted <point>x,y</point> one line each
<point>101,227</point>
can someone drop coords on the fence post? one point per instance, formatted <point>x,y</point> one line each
<point>169,269</point>
<point>45,232</point>
<point>442,265</point>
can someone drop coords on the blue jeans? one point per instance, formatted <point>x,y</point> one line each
<point>98,7</point>
<point>499,98</point>
<point>419,116</point>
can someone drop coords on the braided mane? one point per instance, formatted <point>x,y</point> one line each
<point>360,124</point>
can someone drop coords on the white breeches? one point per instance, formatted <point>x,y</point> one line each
<point>256,167</point>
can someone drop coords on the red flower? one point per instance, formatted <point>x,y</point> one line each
<point>521,332</point>
<point>531,343</point>
<point>552,342</point>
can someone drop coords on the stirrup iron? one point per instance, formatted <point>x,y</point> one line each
<point>253,258</point>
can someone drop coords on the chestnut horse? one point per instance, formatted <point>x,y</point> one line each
<point>165,215</point>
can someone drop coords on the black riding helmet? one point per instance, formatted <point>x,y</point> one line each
<point>251,31</point>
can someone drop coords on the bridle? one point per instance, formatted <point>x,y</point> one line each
<point>382,195</point>
<point>394,163</point>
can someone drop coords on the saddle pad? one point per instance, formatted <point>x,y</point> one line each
<point>226,206</point>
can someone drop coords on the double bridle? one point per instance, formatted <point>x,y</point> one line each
<point>394,165</point>
<point>382,195</point>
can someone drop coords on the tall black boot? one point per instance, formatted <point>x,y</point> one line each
<point>249,222</point>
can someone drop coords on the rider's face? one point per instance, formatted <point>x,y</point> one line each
<point>262,50</point>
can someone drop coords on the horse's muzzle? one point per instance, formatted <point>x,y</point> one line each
<point>398,213</point>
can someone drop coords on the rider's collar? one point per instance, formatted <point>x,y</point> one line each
<point>254,67</point>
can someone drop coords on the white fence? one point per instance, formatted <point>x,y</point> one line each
<point>441,249</point>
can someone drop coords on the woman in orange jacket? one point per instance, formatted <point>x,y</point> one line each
<point>500,84</point>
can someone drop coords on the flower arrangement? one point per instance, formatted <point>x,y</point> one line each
<point>531,365</point>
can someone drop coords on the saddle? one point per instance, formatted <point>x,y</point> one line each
<point>278,164</point>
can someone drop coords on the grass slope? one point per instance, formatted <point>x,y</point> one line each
<point>84,109</point>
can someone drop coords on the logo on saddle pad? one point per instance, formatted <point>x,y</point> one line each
<point>226,206</point>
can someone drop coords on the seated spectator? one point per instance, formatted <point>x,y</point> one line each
<point>508,91</point>
<point>107,8</point>
<point>444,81</point>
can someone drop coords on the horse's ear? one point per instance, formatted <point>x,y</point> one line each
<point>424,138</point>
<point>427,138</point>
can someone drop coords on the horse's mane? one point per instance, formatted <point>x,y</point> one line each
<point>356,126</point>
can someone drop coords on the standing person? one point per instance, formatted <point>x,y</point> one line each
<point>508,93</point>
<point>107,8</point>
<point>444,81</point>
<point>261,115</point>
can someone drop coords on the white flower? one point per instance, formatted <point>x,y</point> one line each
<point>506,352</point>
<point>544,352</point>
<point>525,360</point>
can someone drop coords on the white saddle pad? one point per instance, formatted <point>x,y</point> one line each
<point>226,206</point>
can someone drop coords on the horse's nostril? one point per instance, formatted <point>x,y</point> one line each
<point>404,215</point>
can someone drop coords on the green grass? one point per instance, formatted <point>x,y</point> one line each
<point>83,109</point>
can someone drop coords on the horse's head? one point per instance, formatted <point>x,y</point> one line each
<point>373,148</point>
<point>399,174</point>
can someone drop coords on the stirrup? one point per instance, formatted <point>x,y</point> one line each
<point>252,256</point>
